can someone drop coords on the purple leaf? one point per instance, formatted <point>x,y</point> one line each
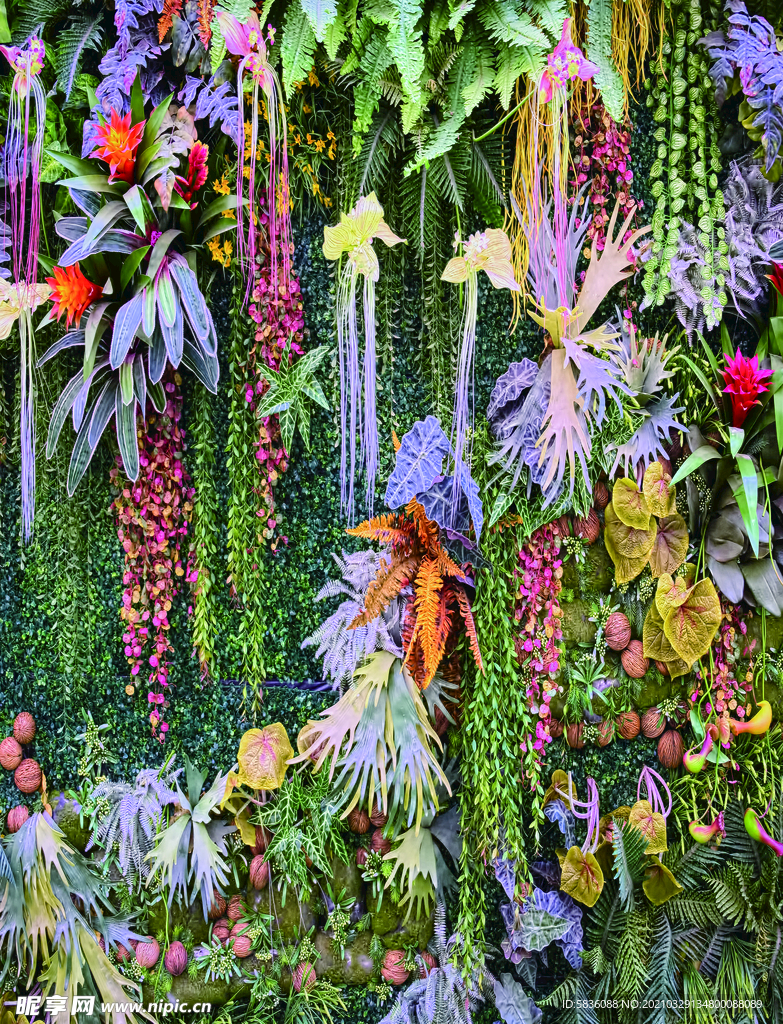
<point>510,386</point>
<point>419,462</point>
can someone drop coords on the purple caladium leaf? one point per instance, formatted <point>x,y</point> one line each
<point>437,503</point>
<point>419,462</point>
<point>510,386</point>
<point>561,905</point>
<point>505,872</point>
<point>557,812</point>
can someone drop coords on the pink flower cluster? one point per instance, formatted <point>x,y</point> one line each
<point>727,687</point>
<point>152,518</point>
<point>603,157</point>
<point>538,611</point>
<point>279,318</point>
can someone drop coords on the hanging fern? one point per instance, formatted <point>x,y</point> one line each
<point>608,79</point>
<point>82,34</point>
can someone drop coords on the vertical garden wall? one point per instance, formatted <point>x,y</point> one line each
<point>391,472</point>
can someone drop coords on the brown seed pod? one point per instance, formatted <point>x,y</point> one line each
<point>24,727</point>
<point>555,728</point>
<point>123,953</point>
<point>589,529</point>
<point>303,975</point>
<point>634,661</point>
<point>10,753</point>
<point>240,928</point>
<point>653,723</point>
<point>393,969</point>
<point>241,946</point>
<point>359,821</point>
<point>147,952</point>
<point>617,631</point>
<point>259,872</point>
<point>662,667</point>
<point>218,907</point>
<point>236,908</point>
<point>263,839</point>
<point>378,817</point>
<point>17,816</point>
<point>378,843</point>
<point>562,526</point>
<point>575,735</point>
<point>600,495</point>
<point>176,959</point>
<point>429,961</point>
<point>605,732</point>
<point>670,749</point>
<point>221,933</point>
<point>28,776</point>
<point>628,724</point>
<point>361,857</point>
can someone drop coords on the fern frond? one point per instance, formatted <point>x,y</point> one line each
<point>470,626</point>
<point>429,584</point>
<point>697,861</point>
<point>83,33</point>
<point>446,564</point>
<point>389,528</point>
<point>205,11</point>
<point>698,908</point>
<point>628,861</point>
<point>633,956</point>
<point>663,990</point>
<point>391,578</point>
<point>732,892</point>
<point>425,528</point>
<point>171,9</point>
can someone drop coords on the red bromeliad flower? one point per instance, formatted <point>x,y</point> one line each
<point>197,173</point>
<point>116,143</point>
<point>745,381</point>
<point>72,293</point>
<point>776,277</point>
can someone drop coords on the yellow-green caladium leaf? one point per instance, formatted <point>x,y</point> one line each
<point>581,876</point>
<point>691,627</point>
<point>654,640</point>
<point>263,756</point>
<point>671,593</point>
<point>659,883</point>
<point>658,490</point>
<point>671,545</point>
<point>651,824</point>
<point>559,782</point>
<point>628,547</point>
<point>630,505</point>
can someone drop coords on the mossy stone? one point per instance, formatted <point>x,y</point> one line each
<point>292,918</point>
<point>65,812</point>
<point>355,968</point>
<point>387,917</point>
<point>576,625</point>
<point>415,931</point>
<point>185,918</point>
<point>656,688</point>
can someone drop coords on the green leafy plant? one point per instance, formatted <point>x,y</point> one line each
<point>289,389</point>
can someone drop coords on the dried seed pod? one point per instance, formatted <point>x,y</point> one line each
<point>303,975</point>
<point>575,735</point>
<point>176,959</point>
<point>259,872</point>
<point>555,728</point>
<point>628,724</point>
<point>10,753</point>
<point>589,529</point>
<point>28,776</point>
<point>241,946</point>
<point>17,816</point>
<point>653,723</point>
<point>670,749</point>
<point>617,631</point>
<point>218,907</point>
<point>236,907</point>
<point>600,495</point>
<point>634,661</point>
<point>378,843</point>
<point>359,821</point>
<point>378,818</point>
<point>605,732</point>
<point>361,857</point>
<point>24,727</point>
<point>393,969</point>
<point>147,952</point>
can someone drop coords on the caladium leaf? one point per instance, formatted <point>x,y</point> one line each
<point>658,491</point>
<point>671,593</point>
<point>628,548</point>
<point>263,757</point>
<point>671,545</point>
<point>419,461</point>
<point>651,824</point>
<point>629,504</point>
<point>581,877</point>
<point>691,627</point>
<point>659,883</point>
<point>511,385</point>
<point>654,640</point>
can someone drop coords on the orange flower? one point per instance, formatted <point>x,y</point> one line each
<point>116,143</point>
<point>72,293</point>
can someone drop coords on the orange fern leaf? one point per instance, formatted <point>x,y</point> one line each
<point>447,565</point>
<point>443,626</point>
<point>205,9</point>
<point>429,584</point>
<point>396,441</point>
<point>166,20</point>
<point>386,529</point>
<point>426,528</point>
<point>470,626</point>
<point>389,581</point>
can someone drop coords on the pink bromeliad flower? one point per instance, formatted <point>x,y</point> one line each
<point>564,63</point>
<point>186,185</point>
<point>246,40</point>
<point>745,381</point>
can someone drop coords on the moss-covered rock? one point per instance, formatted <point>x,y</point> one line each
<point>576,624</point>
<point>354,968</point>
<point>65,812</point>
<point>415,931</point>
<point>187,919</point>
<point>292,918</point>
<point>387,917</point>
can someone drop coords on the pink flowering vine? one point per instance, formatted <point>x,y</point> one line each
<point>726,686</point>
<point>152,518</point>
<point>603,157</point>
<point>539,613</point>
<point>279,316</point>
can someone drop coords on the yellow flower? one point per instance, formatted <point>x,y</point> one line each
<point>489,251</point>
<point>330,135</point>
<point>312,78</point>
<point>307,108</point>
<point>320,145</point>
<point>222,187</point>
<point>13,300</point>
<point>355,233</point>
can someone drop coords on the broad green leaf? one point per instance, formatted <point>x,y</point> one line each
<point>747,500</point>
<point>736,438</point>
<point>499,507</point>
<point>139,205</point>
<point>126,382</point>
<point>581,877</point>
<point>694,461</point>
<point>93,332</point>
<point>131,265</point>
<point>95,183</point>
<point>151,130</point>
<point>104,219</point>
<point>659,884</point>
<point>72,163</point>
<point>539,928</point>
<point>629,504</point>
<point>137,100</point>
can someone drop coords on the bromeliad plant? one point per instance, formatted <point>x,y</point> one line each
<point>130,267</point>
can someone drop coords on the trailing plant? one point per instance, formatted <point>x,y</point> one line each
<point>152,515</point>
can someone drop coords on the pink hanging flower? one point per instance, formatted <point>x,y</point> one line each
<point>745,381</point>
<point>27,64</point>
<point>565,63</point>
